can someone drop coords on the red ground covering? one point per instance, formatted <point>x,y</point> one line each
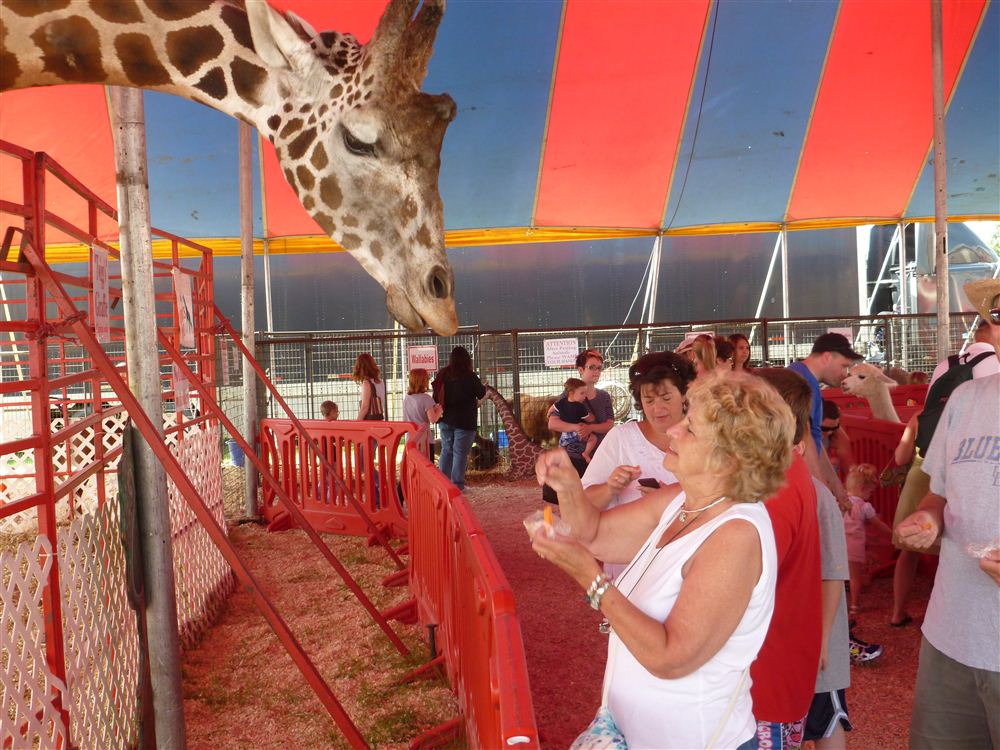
<point>566,653</point>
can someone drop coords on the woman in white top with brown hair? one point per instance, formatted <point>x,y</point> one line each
<point>690,612</point>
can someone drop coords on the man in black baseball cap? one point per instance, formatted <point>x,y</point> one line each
<point>828,363</point>
<point>838,344</point>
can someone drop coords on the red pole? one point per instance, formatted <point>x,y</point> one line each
<point>34,194</point>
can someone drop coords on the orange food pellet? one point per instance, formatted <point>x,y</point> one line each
<point>547,514</point>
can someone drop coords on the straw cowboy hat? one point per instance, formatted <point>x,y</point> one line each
<point>981,294</point>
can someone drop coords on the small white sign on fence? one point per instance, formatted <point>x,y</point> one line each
<point>182,395</point>
<point>847,333</point>
<point>425,357</point>
<point>561,352</point>
<point>185,308</point>
<point>102,298</point>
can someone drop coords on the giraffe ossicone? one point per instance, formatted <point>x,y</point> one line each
<point>356,138</point>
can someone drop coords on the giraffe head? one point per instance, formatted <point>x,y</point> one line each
<point>360,144</point>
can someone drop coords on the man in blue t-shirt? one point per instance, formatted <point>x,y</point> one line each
<point>829,363</point>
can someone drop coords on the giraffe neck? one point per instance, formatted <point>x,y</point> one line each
<point>506,414</point>
<point>201,50</point>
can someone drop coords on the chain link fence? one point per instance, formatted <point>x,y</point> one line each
<point>309,368</point>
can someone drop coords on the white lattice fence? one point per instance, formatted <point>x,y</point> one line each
<point>99,632</point>
<point>99,628</point>
<point>203,577</point>
<point>28,714</point>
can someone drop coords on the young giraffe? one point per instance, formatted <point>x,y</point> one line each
<point>522,451</point>
<point>356,138</point>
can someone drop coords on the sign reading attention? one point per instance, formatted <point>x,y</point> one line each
<point>561,352</point>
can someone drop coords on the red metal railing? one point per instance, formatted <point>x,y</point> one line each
<point>458,586</point>
<point>365,455</point>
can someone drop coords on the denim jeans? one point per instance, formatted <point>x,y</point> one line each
<point>455,446</point>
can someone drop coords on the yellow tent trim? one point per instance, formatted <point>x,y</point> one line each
<point>230,246</point>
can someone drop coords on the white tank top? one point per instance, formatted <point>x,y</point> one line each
<point>687,712</point>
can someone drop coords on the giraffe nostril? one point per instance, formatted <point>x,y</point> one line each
<point>437,282</point>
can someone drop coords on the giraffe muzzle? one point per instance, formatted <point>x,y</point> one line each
<point>437,313</point>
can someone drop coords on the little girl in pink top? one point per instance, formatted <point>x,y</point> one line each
<point>861,482</point>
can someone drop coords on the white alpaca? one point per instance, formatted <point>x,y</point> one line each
<point>873,385</point>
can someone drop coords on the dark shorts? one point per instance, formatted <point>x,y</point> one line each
<point>824,713</point>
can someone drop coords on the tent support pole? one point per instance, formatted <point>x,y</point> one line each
<point>940,189</point>
<point>246,296</point>
<point>904,302</point>
<point>654,284</point>
<point>143,358</point>
<point>764,288</point>
<point>785,306</point>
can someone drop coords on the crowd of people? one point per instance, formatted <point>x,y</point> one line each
<point>716,534</point>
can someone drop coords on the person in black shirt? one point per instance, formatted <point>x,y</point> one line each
<point>459,389</point>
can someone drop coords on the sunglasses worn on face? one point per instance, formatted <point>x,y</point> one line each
<point>831,428</point>
<point>995,316</point>
<point>596,368</point>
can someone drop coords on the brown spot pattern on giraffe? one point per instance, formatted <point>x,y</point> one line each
<point>336,91</point>
<point>290,127</point>
<point>273,122</point>
<point>408,211</point>
<point>247,80</point>
<point>306,178</point>
<point>329,192</point>
<point>351,221</point>
<point>290,176</point>
<point>9,69</point>
<point>139,61</point>
<point>376,249</point>
<point>117,11</point>
<point>424,236</point>
<point>236,19</point>
<point>189,49</point>
<point>301,144</point>
<point>213,83</point>
<point>325,222</point>
<point>177,10</point>
<point>319,159</point>
<point>70,50</point>
<point>33,7</point>
<point>350,242</point>
<point>308,203</point>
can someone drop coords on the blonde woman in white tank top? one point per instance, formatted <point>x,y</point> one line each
<point>690,611</point>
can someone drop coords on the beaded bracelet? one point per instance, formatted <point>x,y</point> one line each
<point>597,589</point>
<point>595,600</point>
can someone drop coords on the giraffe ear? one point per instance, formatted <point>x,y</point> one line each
<point>278,42</point>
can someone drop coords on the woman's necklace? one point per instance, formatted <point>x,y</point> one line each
<point>685,512</point>
<point>681,515</point>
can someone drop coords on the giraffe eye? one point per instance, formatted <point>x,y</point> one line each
<point>356,146</point>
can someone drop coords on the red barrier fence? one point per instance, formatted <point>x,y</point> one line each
<point>365,455</point>
<point>459,586</point>
<point>874,441</point>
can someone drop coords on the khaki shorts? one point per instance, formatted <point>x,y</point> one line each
<point>954,706</point>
